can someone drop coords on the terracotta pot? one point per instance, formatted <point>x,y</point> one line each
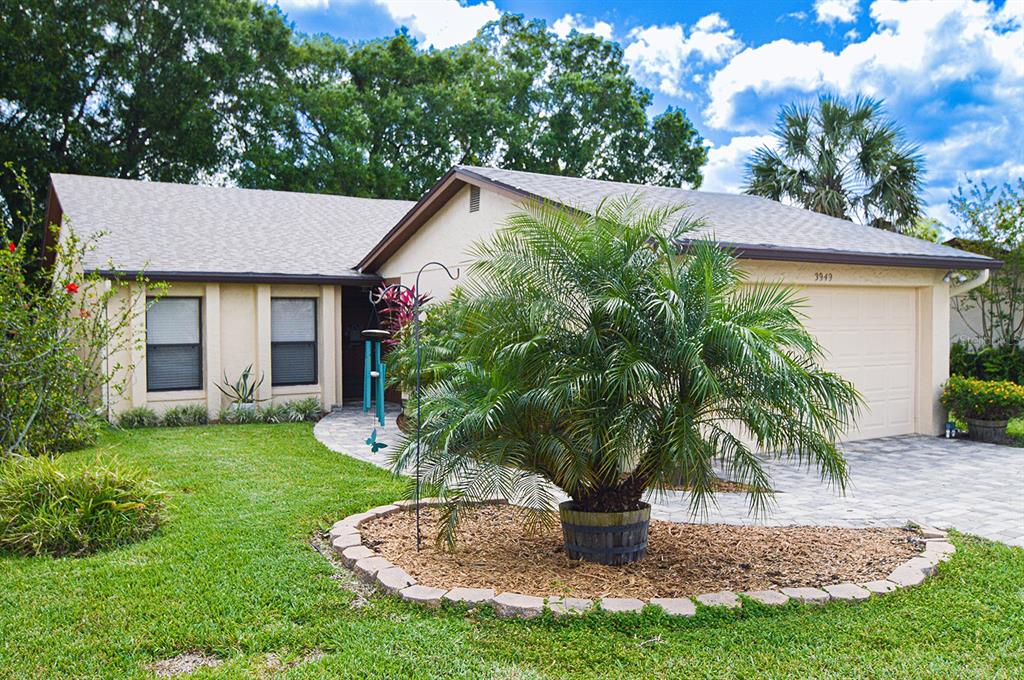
<point>990,431</point>
<point>605,537</point>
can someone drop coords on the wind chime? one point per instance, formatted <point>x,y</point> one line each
<point>375,370</point>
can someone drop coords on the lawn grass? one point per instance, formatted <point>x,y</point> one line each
<point>1015,428</point>
<point>233,574</point>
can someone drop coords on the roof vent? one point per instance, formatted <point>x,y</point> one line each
<point>474,198</point>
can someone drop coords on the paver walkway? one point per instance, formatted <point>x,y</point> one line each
<point>976,488</point>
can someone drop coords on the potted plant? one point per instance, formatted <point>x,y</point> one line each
<point>591,357</point>
<point>242,392</point>
<point>396,317</point>
<point>986,405</point>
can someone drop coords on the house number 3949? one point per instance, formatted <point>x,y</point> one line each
<point>822,276</point>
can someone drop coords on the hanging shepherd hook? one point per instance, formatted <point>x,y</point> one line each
<point>414,291</point>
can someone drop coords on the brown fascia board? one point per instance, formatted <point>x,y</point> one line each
<point>456,178</point>
<point>54,216</point>
<point>425,208</point>
<point>764,252</point>
<point>239,277</point>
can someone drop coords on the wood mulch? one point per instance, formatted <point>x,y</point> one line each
<point>495,550</point>
<point>718,486</point>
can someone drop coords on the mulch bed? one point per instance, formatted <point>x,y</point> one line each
<point>495,550</point>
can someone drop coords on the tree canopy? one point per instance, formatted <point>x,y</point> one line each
<point>226,91</point>
<point>386,119</point>
<point>843,158</point>
<point>130,89</point>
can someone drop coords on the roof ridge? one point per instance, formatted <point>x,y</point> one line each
<point>189,186</point>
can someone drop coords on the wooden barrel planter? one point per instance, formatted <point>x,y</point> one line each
<point>605,537</point>
<point>990,431</point>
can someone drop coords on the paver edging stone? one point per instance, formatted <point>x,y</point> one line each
<point>372,567</point>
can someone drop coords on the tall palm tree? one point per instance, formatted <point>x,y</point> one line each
<point>842,158</point>
<point>593,357</point>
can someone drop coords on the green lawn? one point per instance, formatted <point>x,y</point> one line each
<point>1016,429</point>
<point>233,574</point>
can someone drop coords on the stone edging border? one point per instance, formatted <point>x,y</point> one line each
<point>373,568</point>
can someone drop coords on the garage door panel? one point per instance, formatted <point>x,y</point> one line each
<point>869,337</point>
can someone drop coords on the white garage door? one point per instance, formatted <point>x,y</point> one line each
<point>870,338</point>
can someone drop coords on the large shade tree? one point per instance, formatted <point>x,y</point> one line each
<point>125,88</point>
<point>386,119</point>
<point>844,158</point>
<point>587,355</point>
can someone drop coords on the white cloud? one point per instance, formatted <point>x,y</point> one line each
<point>916,48</point>
<point>575,22</point>
<point>302,5</point>
<point>724,171</point>
<point>952,73</point>
<point>663,55</point>
<point>440,23</point>
<point>833,11</point>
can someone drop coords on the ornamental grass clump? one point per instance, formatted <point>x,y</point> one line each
<point>185,416</point>
<point>48,510</point>
<point>593,358</point>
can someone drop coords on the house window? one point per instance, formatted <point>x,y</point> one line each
<point>293,341</point>
<point>174,355</point>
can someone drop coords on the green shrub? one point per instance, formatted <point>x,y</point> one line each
<point>988,363</point>
<point>983,399</point>
<point>180,416</point>
<point>308,409</point>
<point>140,416</point>
<point>274,414</point>
<point>57,324</point>
<point>47,511</point>
<point>233,416</point>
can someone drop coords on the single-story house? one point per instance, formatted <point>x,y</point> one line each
<point>280,280</point>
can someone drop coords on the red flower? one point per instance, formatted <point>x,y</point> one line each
<point>71,288</point>
<point>11,246</point>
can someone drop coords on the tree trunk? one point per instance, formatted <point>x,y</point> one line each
<point>621,497</point>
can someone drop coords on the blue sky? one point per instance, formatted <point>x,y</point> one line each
<point>950,72</point>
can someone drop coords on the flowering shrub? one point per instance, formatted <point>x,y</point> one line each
<point>983,399</point>
<point>397,308</point>
<point>58,323</point>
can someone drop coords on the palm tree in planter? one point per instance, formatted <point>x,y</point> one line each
<point>594,358</point>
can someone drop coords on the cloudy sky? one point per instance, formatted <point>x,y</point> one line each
<point>950,72</point>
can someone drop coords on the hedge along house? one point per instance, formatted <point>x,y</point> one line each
<point>878,302</point>
<point>261,278</point>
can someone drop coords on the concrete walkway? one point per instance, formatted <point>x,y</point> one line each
<point>976,488</point>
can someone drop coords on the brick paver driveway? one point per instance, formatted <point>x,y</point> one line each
<point>976,488</point>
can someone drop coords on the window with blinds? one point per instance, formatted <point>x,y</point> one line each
<point>174,347</point>
<point>293,341</point>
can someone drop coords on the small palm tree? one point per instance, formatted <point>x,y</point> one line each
<point>844,159</point>
<point>592,357</point>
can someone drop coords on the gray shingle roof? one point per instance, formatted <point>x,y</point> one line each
<point>181,228</point>
<point>752,224</point>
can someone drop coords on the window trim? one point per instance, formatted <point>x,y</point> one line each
<point>315,343</point>
<point>150,301</point>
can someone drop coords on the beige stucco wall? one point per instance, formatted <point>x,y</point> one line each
<point>449,233</point>
<point>235,322</point>
<point>446,238</point>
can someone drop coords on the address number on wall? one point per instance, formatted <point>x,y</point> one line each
<point>823,276</point>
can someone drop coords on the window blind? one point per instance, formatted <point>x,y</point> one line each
<point>293,349</point>
<point>173,345</point>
